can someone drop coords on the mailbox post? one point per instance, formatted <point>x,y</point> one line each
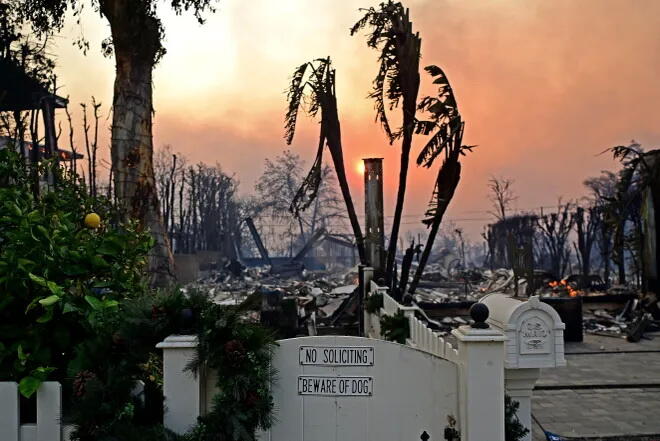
<point>535,340</point>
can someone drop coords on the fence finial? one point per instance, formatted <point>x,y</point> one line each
<point>479,313</point>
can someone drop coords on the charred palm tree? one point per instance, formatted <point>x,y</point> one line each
<point>447,127</point>
<point>313,88</point>
<point>397,82</point>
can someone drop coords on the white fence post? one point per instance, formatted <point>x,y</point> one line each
<point>49,411</point>
<point>367,277</point>
<point>184,391</point>
<point>9,411</point>
<point>481,383</point>
<point>519,384</point>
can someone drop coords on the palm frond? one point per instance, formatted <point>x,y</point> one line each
<point>294,99</point>
<point>309,188</point>
<point>377,95</point>
<point>391,31</point>
<point>444,117</point>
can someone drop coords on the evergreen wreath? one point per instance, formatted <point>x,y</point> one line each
<point>105,406</point>
<point>242,353</point>
<point>395,327</point>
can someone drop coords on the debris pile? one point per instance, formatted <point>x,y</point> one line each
<point>289,304</point>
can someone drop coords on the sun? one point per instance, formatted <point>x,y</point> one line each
<point>360,167</point>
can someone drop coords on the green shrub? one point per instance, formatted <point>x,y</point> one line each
<point>241,352</point>
<point>123,352</point>
<point>59,281</point>
<point>395,327</point>
<point>374,303</point>
<point>513,428</point>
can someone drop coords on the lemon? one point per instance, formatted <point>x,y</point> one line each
<point>92,220</point>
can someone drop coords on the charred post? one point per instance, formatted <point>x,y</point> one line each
<point>374,220</point>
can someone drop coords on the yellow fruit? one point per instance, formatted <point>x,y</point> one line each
<point>92,220</point>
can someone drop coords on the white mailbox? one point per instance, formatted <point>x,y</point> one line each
<point>534,340</point>
<point>534,331</point>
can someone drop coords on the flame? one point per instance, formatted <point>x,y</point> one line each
<point>563,284</point>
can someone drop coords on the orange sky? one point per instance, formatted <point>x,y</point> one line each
<point>544,86</point>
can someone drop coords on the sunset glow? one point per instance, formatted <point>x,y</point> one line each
<point>359,166</point>
<point>535,100</point>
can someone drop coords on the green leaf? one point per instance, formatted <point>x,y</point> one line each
<point>25,264</point>
<point>22,356</point>
<point>43,231</point>
<point>31,305</point>
<point>29,385</point>
<point>41,373</point>
<point>55,288</point>
<point>95,303</point>
<point>110,303</point>
<point>68,307</point>
<point>46,317</point>
<point>50,300</point>
<point>37,279</point>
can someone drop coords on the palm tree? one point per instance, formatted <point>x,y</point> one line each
<point>313,88</point>
<point>397,81</point>
<point>448,139</point>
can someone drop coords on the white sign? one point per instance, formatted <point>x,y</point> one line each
<point>336,355</point>
<point>335,386</point>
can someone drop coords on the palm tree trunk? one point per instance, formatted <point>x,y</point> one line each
<point>136,40</point>
<point>398,210</point>
<point>448,178</point>
<point>409,108</point>
<point>330,119</point>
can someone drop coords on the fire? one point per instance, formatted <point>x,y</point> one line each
<point>563,284</point>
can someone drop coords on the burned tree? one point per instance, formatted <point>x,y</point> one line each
<point>447,127</point>
<point>277,187</point>
<point>200,205</point>
<point>91,146</point>
<point>397,81</point>
<point>586,228</point>
<point>638,196</point>
<point>314,83</point>
<point>555,229</point>
<point>519,229</point>
<point>501,196</point>
<point>602,190</point>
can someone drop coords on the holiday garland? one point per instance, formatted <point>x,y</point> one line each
<point>242,353</point>
<point>105,405</point>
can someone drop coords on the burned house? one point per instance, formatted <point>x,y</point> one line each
<point>19,93</point>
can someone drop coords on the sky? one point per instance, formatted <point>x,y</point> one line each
<point>544,88</point>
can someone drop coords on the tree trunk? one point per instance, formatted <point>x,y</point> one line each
<point>605,233</point>
<point>619,245</point>
<point>330,118</point>
<point>409,108</point>
<point>448,178</point>
<point>136,39</point>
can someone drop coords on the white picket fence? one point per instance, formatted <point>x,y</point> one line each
<point>421,336</point>
<point>49,411</point>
